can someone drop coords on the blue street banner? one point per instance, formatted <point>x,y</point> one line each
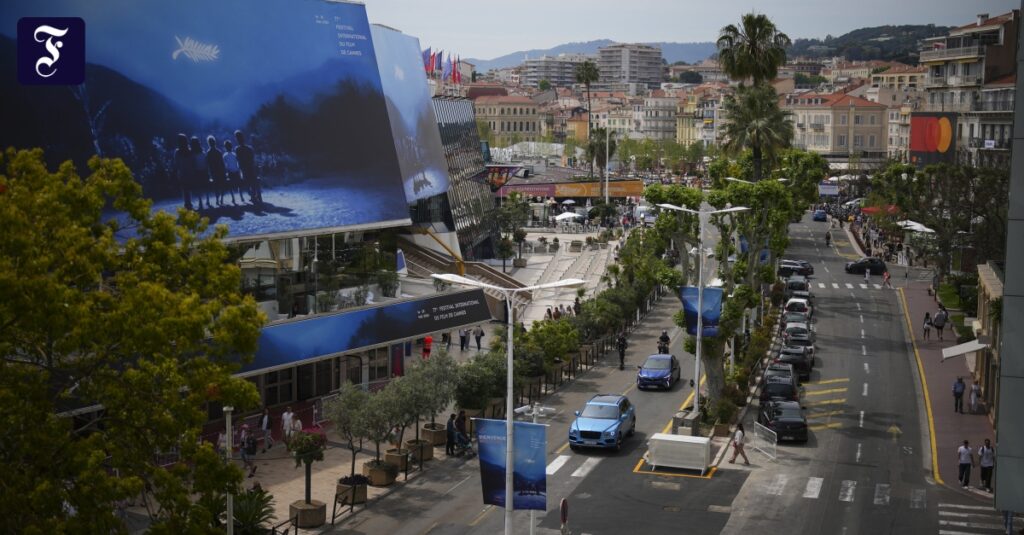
<point>744,246</point>
<point>712,309</point>
<point>529,477</point>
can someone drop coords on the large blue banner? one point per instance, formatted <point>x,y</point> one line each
<point>530,460</point>
<point>712,309</point>
<point>266,116</point>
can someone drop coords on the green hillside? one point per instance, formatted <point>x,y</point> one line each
<point>888,43</point>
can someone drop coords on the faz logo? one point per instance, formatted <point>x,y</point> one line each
<point>51,50</point>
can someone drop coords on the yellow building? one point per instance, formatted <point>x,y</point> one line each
<point>576,127</point>
<point>687,126</point>
<point>511,118</point>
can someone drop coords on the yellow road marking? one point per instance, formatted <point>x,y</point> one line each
<point>687,401</point>
<point>835,425</point>
<point>631,387</point>
<point>828,414</point>
<point>924,387</point>
<point>829,381</point>
<point>482,514</point>
<point>560,448</point>
<point>827,402</point>
<point>824,392</point>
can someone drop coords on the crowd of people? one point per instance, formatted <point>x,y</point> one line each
<point>206,176</point>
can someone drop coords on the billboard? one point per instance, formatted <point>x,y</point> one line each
<point>529,474</point>
<point>712,309</point>
<point>828,189</point>
<point>327,334</point>
<point>932,138</point>
<point>616,188</point>
<point>413,125</point>
<point>268,118</point>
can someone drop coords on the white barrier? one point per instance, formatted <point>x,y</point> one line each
<point>764,440</point>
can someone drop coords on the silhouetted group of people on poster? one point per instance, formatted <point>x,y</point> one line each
<point>216,172</point>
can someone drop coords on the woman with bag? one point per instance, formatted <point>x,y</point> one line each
<point>739,438</point>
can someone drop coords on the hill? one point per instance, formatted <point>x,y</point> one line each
<point>888,43</point>
<point>672,52</point>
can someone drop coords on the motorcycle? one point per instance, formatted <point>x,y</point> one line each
<point>662,347</point>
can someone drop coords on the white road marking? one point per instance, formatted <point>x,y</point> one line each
<point>821,285</point>
<point>975,525</point>
<point>862,333</point>
<point>861,423</point>
<point>917,499</point>
<point>867,369</point>
<point>813,488</point>
<point>858,307</point>
<point>865,392</point>
<point>849,286</point>
<point>863,286</point>
<point>877,286</point>
<point>586,467</point>
<point>858,451</point>
<point>556,464</point>
<point>882,494</point>
<point>864,351</point>
<point>861,319</point>
<point>852,296</point>
<point>826,268</point>
<point>456,486</point>
<point>987,508</point>
<point>835,285</point>
<point>778,484</point>
<point>846,490</point>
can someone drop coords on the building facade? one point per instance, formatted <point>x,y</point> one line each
<point>844,129</point>
<point>559,71</point>
<point>511,119</point>
<point>659,120</point>
<point>630,63</point>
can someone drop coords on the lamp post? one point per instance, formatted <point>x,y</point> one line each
<point>607,161</point>
<point>508,294</point>
<point>701,214</point>
<point>230,498</point>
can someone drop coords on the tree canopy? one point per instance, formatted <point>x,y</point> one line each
<point>755,49</point>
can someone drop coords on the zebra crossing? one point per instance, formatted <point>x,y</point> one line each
<point>848,286</point>
<point>961,519</point>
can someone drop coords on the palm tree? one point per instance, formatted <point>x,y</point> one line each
<point>596,147</point>
<point>586,74</point>
<point>755,50</point>
<point>756,122</point>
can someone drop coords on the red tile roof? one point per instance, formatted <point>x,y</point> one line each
<point>501,99</point>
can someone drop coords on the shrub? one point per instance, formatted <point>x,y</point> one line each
<point>724,410</point>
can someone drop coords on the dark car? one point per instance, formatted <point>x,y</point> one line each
<point>604,422</point>
<point>789,267</point>
<point>777,388</point>
<point>876,266</point>
<point>658,371</point>
<point>819,215</point>
<point>785,418</point>
<point>799,358</point>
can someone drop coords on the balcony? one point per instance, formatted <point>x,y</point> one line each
<point>989,144</point>
<point>953,53</point>
<point>994,106</point>
<point>799,125</point>
<point>818,127</point>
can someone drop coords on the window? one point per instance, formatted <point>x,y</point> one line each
<point>858,141</point>
<point>871,119</point>
<point>841,141</point>
<point>842,119</point>
<point>277,387</point>
<point>857,118</point>
<point>871,141</point>
<point>378,359</point>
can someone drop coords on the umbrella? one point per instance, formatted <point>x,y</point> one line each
<point>567,215</point>
<point>568,201</point>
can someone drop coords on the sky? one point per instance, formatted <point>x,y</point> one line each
<point>486,29</point>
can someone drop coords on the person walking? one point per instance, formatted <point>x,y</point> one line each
<point>927,325</point>
<point>463,339</point>
<point>886,280</point>
<point>478,333</point>
<point>739,438</point>
<point>939,321</point>
<point>975,395</point>
<point>965,458</point>
<point>428,343</point>
<point>548,315</point>
<point>958,395</point>
<point>460,428</point>
<point>556,314</point>
<point>621,344</point>
<point>867,276</point>
<point>286,425</point>
<point>247,447</point>
<point>987,461</point>
<point>267,425</point>
<point>449,445</point>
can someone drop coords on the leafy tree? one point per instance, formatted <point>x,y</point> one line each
<point>348,412</point>
<point>554,339</point>
<point>380,418</point>
<point>149,328</point>
<point>690,77</point>
<point>586,74</point>
<point>544,85</point>
<point>307,448</point>
<point>484,129</point>
<point>756,122</point>
<point>756,49</point>
<point>804,80</point>
<point>596,148</point>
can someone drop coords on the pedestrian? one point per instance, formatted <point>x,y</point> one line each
<point>739,438</point>
<point>222,443</point>
<point>428,343</point>
<point>561,308</point>
<point>621,344</point>
<point>463,339</point>
<point>286,426</point>
<point>577,307</point>
<point>478,333</point>
<point>965,456</point>
<point>867,276</point>
<point>296,426</point>
<point>449,445</point>
<point>460,428</point>
<point>958,395</point>
<point>267,425</point>
<point>556,314</point>
<point>548,314</point>
<point>247,447</point>
<point>987,461</point>
<point>939,321</point>
<point>886,282</point>
<point>927,325</point>
<point>975,394</point>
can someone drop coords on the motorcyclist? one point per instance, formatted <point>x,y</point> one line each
<point>620,344</point>
<point>663,341</point>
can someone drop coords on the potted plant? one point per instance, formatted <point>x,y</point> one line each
<point>348,413</point>
<point>308,448</point>
<point>554,243</point>
<point>253,511</point>
<point>380,419</point>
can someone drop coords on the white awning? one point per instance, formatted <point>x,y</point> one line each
<point>962,349</point>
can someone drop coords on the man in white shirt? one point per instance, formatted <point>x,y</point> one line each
<point>965,456</point>
<point>286,424</point>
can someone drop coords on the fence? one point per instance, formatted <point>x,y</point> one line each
<point>764,440</point>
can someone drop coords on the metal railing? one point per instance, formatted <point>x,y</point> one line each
<point>764,440</point>
<point>949,53</point>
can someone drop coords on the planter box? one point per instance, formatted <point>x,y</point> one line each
<point>519,262</point>
<point>311,515</point>
<point>397,457</point>
<point>413,447</point>
<point>436,437</point>
<point>379,477</point>
<point>721,430</point>
<point>358,495</point>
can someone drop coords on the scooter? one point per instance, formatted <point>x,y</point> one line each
<point>662,348</point>
<point>464,448</point>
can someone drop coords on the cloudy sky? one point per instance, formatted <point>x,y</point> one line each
<point>487,28</point>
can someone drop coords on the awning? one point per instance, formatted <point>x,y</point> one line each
<point>962,349</point>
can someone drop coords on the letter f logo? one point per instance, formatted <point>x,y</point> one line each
<point>51,51</point>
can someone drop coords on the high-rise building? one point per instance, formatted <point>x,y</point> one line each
<point>630,63</point>
<point>559,71</point>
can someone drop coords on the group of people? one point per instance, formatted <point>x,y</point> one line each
<point>216,171</point>
<point>464,334</point>
<point>974,396</point>
<point>939,321</point>
<point>562,311</point>
<point>967,458</point>
<point>248,438</point>
<point>456,433</point>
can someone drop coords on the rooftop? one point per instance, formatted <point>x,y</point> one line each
<point>503,99</point>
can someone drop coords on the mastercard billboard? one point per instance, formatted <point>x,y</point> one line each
<point>932,138</point>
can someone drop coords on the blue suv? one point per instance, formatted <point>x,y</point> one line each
<point>604,422</point>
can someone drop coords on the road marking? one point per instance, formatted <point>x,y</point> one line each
<point>813,488</point>
<point>917,499</point>
<point>827,414</point>
<point>882,494</point>
<point>858,307</point>
<point>777,484</point>
<point>561,448</point>
<point>456,486</point>
<point>846,490</point>
<point>858,451</point>
<point>822,427</point>
<point>835,285</point>
<point>852,296</point>
<point>556,464</point>
<point>865,392</point>
<point>720,509</point>
<point>862,418</point>
<point>975,525</point>
<point>586,467</point>
<point>666,485</point>
<point>861,319</point>
<point>481,515</point>
<point>864,351</point>
<point>877,286</point>
<point>863,286</point>
<point>987,508</point>
<point>827,402</point>
<point>825,392</point>
<point>820,285</point>
<point>924,388</point>
<point>826,270</point>
<point>862,333</point>
<point>867,369</point>
<point>631,387</point>
<point>829,381</point>
<point>849,286</point>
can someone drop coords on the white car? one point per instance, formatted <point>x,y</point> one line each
<point>799,304</point>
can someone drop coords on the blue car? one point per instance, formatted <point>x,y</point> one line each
<point>819,215</point>
<point>658,371</point>
<point>605,421</point>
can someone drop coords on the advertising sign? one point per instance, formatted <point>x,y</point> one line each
<point>828,188</point>
<point>616,188</point>
<point>529,476</point>
<point>268,117</point>
<point>932,138</point>
<point>413,125</point>
<point>327,334</point>
<point>712,309</point>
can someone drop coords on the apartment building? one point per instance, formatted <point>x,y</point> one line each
<point>686,120</point>
<point>621,123</point>
<point>625,63</point>
<point>709,70</point>
<point>659,119</point>
<point>559,71</point>
<point>511,118</point>
<point>845,129</point>
<point>901,77</point>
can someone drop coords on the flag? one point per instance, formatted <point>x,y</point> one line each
<point>427,55</point>
<point>447,72</point>
<point>430,66</point>
<point>712,306</point>
<point>457,73</point>
<point>439,60</point>
<point>529,481</point>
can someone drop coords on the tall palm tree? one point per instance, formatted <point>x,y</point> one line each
<point>586,74</point>
<point>596,147</point>
<point>756,122</point>
<point>754,50</point>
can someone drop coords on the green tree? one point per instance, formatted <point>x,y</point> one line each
<point>756,49</point>
<point>586,74</point>
<point>596,148</point>
<point>544,85</point>
<point>690,77</point>
<point>307,448</point>
<point>554,339</point>
<point>483,128</point>
<point>253,512</point>
<point>756,122</point>
<point>348,413</point>
<point>150,328</point>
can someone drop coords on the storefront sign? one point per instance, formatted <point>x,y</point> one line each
<point>595,189</point>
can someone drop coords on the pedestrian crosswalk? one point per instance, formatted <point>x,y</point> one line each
<point>962,519</point>
<point>849,286</point>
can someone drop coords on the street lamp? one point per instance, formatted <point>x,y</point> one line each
<point>607,161</point>
<point>508,294</point>
<point>733,179</point>
<point>230,505</point>
<point>700,286</point>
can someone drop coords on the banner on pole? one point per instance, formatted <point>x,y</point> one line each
<point>712,309</point>
<point>529,478</point>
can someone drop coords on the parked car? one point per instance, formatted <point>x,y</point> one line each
<point>794,317</point>
<point>789,267</point>
<point>605,421</point>
<point>797,331</point>
<point>819,215</point>
<point>799,358</point>
<point>797,286</point>
<point>799,304</point>
<point>876,266</point>
<point>777,388</point>
<point>658,371</point>
<point>781,369</point>
<point>786,418</point>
